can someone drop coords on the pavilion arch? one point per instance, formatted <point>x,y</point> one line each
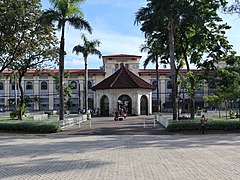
<point>104,106</point>
<point>125,100</point>
<point>144,105</point>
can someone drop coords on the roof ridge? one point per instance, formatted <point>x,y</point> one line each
<point>130,75</point>
<point>116,77</point>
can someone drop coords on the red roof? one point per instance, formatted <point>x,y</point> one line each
<point>71,71</point>
<point>123,79</point>
<point>122,56</point>
<point>165,71</point>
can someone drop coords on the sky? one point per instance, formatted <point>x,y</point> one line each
<point>113,25</point>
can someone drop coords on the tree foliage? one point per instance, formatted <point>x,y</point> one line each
<point>33,45</point>
<point>199,33</point>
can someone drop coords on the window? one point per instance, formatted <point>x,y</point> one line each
<point>154,83</point>
<point>73,85</point>
<point>13,86</point>
<point>116,66</point>
<point>44,85</point>
<point>1,86</point>
<point>126,65</point>
<point>169,85</point>
<point>29,85</point>
<point>89,84</point>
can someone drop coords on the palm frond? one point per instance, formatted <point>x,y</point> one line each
<point>49,17</point>
<point>79,23</point>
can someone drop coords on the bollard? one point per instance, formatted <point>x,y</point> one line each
<point>90,123</point>
<point>144,123</point>
<point>154,122</point>
<point>79,123</point>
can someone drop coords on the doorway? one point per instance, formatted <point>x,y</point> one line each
<point>104,106</point>
<point>143,105</point>
<point>125,101</point>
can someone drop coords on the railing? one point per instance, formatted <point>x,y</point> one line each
<point>40,117</point>
<point>163,121</point>
<point>73,121</point>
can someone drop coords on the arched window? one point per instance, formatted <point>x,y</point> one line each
<point>1,86</point>
<point>116,66</point>
<point>44,85</point>
<point>126,65</point>
<point>29,85</point>
<point>169,85</point>
<point>73,85</point>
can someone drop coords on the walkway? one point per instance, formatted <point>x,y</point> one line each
<point>120,157</point>
<point>133,125</point>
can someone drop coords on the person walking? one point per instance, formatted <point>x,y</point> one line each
<point>203,122</point>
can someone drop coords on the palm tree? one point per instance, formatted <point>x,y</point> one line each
<point>152,48</point>
<point>89,47</point>
<point>155,18</point>
<point>64,11</point>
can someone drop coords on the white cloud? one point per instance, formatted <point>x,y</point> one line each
<point>111,43</point>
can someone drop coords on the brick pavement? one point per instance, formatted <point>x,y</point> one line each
<point>120,157</point>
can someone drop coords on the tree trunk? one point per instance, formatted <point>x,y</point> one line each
<point>192,108</point>
<point>15,93</point>
<point>21,104</point>
<point>86,85</point>
<point>61,76</point>
<point>172,63</point>
<point>192,99</point>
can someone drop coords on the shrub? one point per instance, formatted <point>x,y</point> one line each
<point>30,126</point>
<point>13,114</point>
<point>19,110</point>
<point>199,112</point>
<point>232,114</point>
<point>182,126</point>
<point>211,125</point>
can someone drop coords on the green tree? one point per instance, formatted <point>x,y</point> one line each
<point>233,8</point>
<point>161,15</point>
<point>192,30</point>
<point>13,27</point>
<point>228,83</point>
<point>64,11</point>
<point>37,49</point>
<point>192,82</point>
<point>88,47</point>
<point>67,88</point>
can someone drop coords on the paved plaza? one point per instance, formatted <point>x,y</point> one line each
<point>120,157</point>
<point>119,150</point>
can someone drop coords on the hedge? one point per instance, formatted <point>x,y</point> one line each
<point>211,125</point>
<point>30,126</point>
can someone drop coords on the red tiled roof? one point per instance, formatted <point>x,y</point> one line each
<point>165,71</point>
<point>123,79</point>
<point>71,71</point>
<point>121,55</point>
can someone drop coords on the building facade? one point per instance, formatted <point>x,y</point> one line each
<point>40,87</point>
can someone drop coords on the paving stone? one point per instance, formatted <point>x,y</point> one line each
<point>120,157</point>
